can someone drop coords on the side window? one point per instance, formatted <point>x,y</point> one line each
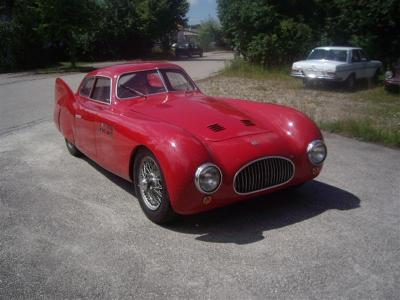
<point>86,87</point>
<point>101,90</point>
<point>363,56</point>
<point>355,56</point>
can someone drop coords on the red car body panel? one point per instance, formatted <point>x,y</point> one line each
<point>174,126</point>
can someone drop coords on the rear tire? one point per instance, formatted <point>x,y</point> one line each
<point>72,149</point>
<point>151,189</point>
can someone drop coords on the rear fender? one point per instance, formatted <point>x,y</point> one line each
<point>64,109</point>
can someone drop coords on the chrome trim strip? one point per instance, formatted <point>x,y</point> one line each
<point>268,188</point>
<point>197,174</point>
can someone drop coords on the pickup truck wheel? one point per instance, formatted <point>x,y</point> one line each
<point>151,189</point>
<point>72,149</point>
<point>350,82</point>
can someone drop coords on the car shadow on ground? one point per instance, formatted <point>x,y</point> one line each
<point>245,222</point>
<point>122,183</point>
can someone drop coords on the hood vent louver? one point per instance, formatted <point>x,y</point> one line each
<point>247,123</point>
<point>216,127</point>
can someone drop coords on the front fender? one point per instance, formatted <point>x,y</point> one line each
<point>178,152</point>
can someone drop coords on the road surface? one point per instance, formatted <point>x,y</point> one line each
<point>69,229</point>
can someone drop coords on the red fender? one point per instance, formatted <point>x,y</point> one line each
<point>64,109</point>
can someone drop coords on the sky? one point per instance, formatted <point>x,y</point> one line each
<point>201,10</point>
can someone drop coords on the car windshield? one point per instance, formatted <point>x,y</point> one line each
<point>141,83</point>
<point>331,54</point>
<point>177,80</point>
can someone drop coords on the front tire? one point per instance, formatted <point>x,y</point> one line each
<point>307,83</point>
<point>72,149</point>
<point>151,189</point>
<point>350,82</point>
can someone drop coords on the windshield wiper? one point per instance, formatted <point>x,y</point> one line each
<point>133,90</point>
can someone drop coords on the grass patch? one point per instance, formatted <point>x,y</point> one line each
<point>240,68</point>
<point>365,130</point>
<point>369,113</point>
<point>377,94</point>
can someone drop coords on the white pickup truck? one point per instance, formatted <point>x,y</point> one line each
<point>341,64</point>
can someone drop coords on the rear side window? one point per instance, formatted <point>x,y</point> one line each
<point>86,87</point>
<point>101,90</point>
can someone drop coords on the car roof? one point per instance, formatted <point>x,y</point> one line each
<point>118,69</point>
<point>338,48</point>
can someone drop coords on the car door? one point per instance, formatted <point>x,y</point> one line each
<point>357,64</point>
<point>369,70</point>
<point>85,119</point>
<point>105,126</point>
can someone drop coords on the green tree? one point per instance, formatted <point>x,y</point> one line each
<point>266,32</point>
<point>65,23</point>
<point>159,18</point>
<point>210,32</point>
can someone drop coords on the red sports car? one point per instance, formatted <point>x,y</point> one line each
<point>183,151</point>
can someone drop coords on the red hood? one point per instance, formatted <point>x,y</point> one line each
<point>205,117</point>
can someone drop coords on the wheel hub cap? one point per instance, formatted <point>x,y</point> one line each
<point>150,186</point>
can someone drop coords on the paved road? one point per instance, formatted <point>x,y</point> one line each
<point>69,229</point>
<point>27,99</point>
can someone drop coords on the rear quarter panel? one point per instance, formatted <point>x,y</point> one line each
<point>64,109</point>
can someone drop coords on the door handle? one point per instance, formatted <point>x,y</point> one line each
<point>78,117</point>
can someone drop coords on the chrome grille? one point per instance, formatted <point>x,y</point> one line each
<point>263,174</point>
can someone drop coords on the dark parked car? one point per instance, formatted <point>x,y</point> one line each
<point>392,78</point>
<point>187,49</point>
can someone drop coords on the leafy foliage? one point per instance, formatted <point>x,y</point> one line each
<point>39,32</point>
<point>210,32</point>
<point>271,32</point>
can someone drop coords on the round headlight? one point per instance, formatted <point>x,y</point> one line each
<point>388,74</point>
<point>208,178</point>
<point>317,152</point>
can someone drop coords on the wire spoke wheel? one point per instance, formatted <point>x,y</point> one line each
<point>150,183</point>
<point>151,189</point>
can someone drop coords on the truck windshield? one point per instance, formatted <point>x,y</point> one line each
<point>331,54</point>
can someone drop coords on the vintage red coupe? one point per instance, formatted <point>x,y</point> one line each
<point>184,152</point>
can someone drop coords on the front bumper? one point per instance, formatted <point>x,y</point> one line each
<point>392,82</point>
<point>317,75</point>
<point>230,162</point>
